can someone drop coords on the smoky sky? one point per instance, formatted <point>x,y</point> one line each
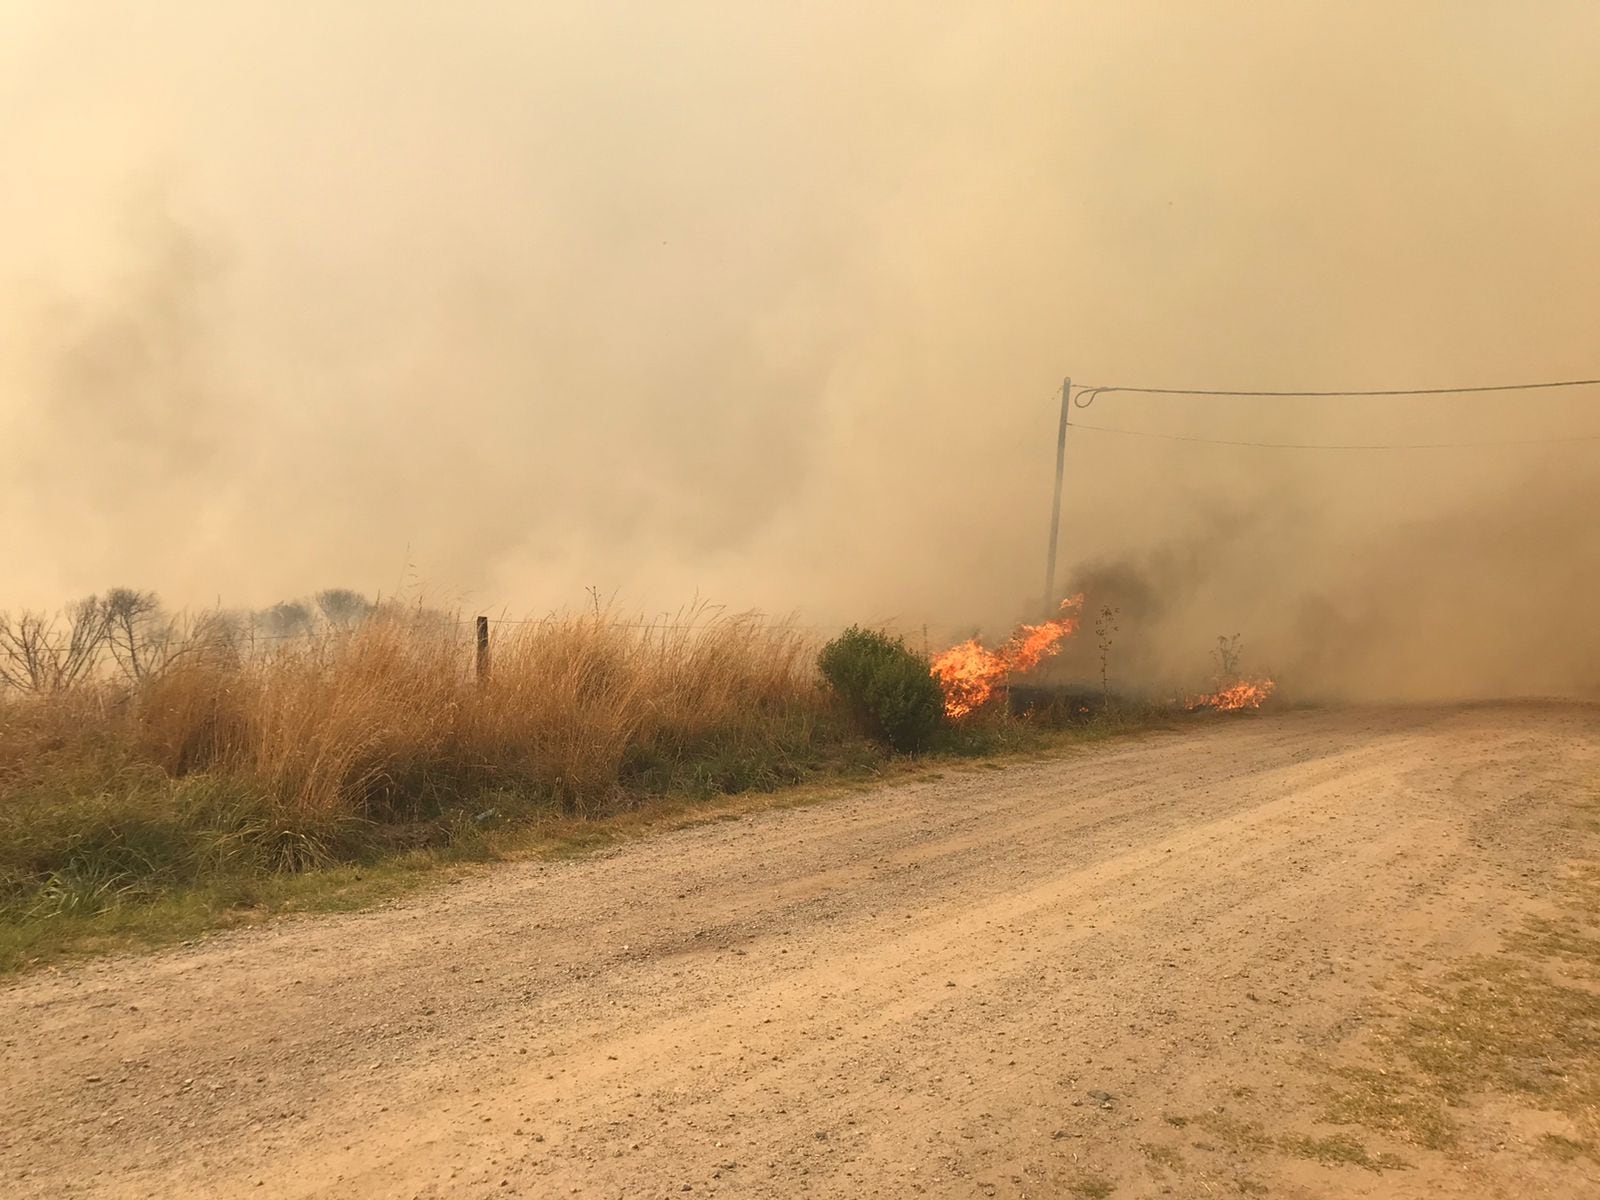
<point>766,304</point>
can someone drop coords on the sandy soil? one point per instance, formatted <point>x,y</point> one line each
<point>1029,981</point>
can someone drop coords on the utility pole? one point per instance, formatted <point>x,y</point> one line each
<point>1055,504</point>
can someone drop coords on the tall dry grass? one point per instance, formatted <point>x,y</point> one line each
<point>294,752</point>
<point>389,718</point>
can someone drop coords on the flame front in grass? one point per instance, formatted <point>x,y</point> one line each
<point>1247,693</point>
<point>971,675</point>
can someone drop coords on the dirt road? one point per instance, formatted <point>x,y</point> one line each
<point>1148,968</point>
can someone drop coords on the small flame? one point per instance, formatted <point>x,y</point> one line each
<point>971,675</point>
<point>1247,693</point>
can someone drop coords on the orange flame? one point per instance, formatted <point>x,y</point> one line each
<point>1247,693</point>
<point>971,675</point>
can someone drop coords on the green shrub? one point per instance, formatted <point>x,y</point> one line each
<point>886,686</point>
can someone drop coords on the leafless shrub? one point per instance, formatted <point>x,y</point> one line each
<point>1105,632</point>
<point>1225,658</point>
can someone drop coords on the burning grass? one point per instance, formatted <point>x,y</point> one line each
<point>1232,697</point>
<point>973,675</point>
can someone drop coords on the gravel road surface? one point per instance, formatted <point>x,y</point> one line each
<point>1055,978</point>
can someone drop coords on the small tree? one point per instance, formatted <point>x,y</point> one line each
<point>287,618</point>
<point>887,687</point>
<point>37,655</point>
<point>342,607</point>
<point>137,632</point>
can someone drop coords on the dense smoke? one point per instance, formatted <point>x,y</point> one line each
<point>1484,599</point>
<point>766,304</point>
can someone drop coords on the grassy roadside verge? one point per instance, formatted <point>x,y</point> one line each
<point>1498,1050</point>
<point>118,859</point>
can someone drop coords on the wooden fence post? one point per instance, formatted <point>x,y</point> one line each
<point>483,649</point>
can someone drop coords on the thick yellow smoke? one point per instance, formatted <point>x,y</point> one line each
<point>767,302</point>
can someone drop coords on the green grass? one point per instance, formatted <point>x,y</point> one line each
<point>1561,1147</point>
<point>1168,1157</point>
<point>1392,1102</point>
<point>1522,1024</point>
<point>1237,1133</point>
<point>105,855</point>
<point>28,940</point>
<point>1091,1187</point>
<point>1334,1150</point>
<point>1340,1150</point>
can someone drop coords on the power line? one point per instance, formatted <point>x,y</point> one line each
<point>1087,394</point>
<point>1178,437</point>
<point>316,635</point>
<point>753,618</point>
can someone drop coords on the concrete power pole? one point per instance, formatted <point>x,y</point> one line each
<point>1055,504</point>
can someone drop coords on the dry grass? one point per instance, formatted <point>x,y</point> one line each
<point>376,721</point>
<point>380,738</point>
